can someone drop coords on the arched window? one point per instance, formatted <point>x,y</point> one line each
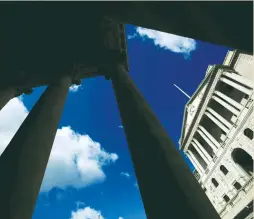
<point>224,169</point>
<point>248,133</point>
<point>215,183</point>
<point>226,198</point>
<point>237,185</point>
<point>243,159</point>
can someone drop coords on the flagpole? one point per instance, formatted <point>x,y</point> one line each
<point>182,91</point>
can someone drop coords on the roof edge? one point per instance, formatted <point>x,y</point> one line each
<point>210,69</point>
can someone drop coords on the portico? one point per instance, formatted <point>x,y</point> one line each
<point>214,121</point>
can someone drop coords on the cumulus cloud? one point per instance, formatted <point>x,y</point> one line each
<point>86,213</point>
<point>174,43</point>
<point>131,36</point>
<point>120,126</point>
<point>74,88</point>
<point>79,203</point>
<point>120,218</point>
<point>136,184</point>
<point>125,174</point>
<point>11,116</point>
<point>76,160</point>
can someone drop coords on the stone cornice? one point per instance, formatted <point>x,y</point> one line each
<point>210,81</point>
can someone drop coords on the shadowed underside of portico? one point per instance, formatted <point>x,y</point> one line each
<point>39,41</point>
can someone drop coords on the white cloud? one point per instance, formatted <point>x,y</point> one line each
<point>76,160</point>
<point>120,126</point>
<point>86,213</point>
<point>120,218</point>
<point>136,184</point>
<point>11,116</point>
<point>78,203</point>
<point>168,41</point>
<point>132,36</point>
<point>74,88</point>
<point>125,174</point>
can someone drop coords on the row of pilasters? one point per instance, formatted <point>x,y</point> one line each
<point>161,172</point>
<point>238,82</point>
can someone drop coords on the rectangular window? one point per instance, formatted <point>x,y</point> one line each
<point>237,185</point>
<point>226,198</point>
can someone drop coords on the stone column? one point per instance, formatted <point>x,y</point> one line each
<point>23,163</point>
<point>209,139</point>
<point>195,163</point>
<point>206,154</point>
<point>229,100</point>
<point>226,105</point>
<point>236,86</point>
<point>217,122</point>
<point>219,117</point>
<point>202,155</point>
<point>167,186</point>
<point>6,95</point>
<point>240,79</point>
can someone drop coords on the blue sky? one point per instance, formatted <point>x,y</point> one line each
<point>102,180</point>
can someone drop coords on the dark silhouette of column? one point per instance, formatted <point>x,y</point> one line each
<point>6,95</point>
<point>167,186</point>
<point>23,163</point>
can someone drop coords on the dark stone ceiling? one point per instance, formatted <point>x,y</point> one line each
<point>40,41</point>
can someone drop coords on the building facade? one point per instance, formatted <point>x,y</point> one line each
<point>218,135</point>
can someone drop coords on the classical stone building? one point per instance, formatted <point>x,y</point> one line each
<point>218,135</point>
